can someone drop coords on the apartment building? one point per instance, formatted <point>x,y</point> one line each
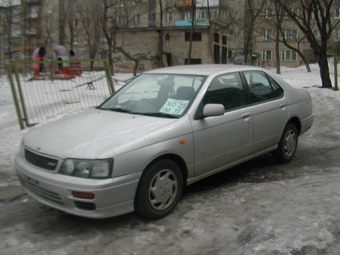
<point>156,33</point>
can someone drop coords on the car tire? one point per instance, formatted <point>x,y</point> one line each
<point>287,145</point>
<point>159,189</point>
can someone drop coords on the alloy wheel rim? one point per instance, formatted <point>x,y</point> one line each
<point>290,143</point>
<point>163,189</point>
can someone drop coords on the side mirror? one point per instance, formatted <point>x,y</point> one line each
<point>210,110</point>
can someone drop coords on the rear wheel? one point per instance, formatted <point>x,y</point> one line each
<point>159,189</point>
<point>287,145</point>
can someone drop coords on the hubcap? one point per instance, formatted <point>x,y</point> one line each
<point>290,143</point>
<point>163,189</point>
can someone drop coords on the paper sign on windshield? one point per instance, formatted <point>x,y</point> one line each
<point>174,106</point>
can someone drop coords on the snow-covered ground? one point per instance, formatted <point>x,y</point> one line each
<point>258,208</point>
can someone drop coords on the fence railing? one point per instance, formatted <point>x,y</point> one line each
<point>46,89</point>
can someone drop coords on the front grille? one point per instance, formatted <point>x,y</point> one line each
<point>40,161</point>
<point>52,196</point>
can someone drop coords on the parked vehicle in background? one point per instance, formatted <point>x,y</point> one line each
<point>164,130</point>
<point>238,60</point>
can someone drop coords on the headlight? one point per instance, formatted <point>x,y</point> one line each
<point>87,168</point>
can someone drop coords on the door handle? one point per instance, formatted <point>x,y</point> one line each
<point>283,105</point>
<point>245,115</point>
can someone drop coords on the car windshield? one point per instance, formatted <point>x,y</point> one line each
<point>159,95</point>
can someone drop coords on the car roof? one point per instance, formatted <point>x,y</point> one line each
<point>205,69</point>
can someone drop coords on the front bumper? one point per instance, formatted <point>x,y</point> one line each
<point>112,197</point>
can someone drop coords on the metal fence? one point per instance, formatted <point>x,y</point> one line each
<point>48,88</point>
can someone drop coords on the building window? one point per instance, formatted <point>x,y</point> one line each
<point>74,23</point>
<point>75,39</point>
<point>288,55</point>
<point>86,22</point>
<point>336,34</point>
<point>102,39</point>
<point>290,34</point>
<point>137,18</point>
<point>231,35</point>
<point>337,13</point>
<point>195,36</point>
<point>268,13</point>
<point>267,55</point>
<point>152,19</point>
<point>295,11</point>
<point>86,39</point>
<point>214,14</point>
<point>49,8</point>
<point>217,38</point>
<point>201,14</point>
<point>34,11</point>
<point>103,55</point>
<point>121,20</point>
<point>169,16</point>
<point>75,5</point>
<point>268,34</point>
<point>49,40</point>
<point>224,40</point>
<point>49,24</point>
<point>186,15</point>
<point>317,34</point>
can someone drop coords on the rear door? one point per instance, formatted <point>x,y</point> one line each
<point>269,110</point>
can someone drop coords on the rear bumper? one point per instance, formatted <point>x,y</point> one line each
<point>112,197</point>
<point>306,123</point>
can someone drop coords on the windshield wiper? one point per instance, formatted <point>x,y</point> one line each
<point>115,109</point>
<point>159,114</point>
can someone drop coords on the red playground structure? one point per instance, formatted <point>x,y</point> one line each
<point>63,69</point>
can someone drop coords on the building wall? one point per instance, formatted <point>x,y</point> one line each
<point>146,50</point>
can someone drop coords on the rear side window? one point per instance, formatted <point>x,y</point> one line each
<point>262,87</point>
<point>226,89</point>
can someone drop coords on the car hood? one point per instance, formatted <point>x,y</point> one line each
<point>94,134</point>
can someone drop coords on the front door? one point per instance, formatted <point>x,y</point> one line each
<point>221,141</point>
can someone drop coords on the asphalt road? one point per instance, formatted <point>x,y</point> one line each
<point>259,207</point>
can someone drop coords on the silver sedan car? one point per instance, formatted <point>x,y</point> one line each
<point>164,130</point>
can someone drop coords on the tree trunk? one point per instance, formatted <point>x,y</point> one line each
<point>324,72</point>
<point>278,62</point>
<point>305,61</point>
<point>135,67</point>
<point>110,57</point>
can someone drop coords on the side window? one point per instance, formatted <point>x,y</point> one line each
<point>262,87</point>
<point>226,89</point>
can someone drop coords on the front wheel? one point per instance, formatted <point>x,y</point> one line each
<point>287,145</point>
<point>159,189</point>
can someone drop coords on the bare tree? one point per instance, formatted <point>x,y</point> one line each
<point>10,18</point>
<point>90,18</point>
<point>253,10</point>
<point>314,14</point>
<point>116,19</point>
<point>70,18</point>
<point>274,16</point>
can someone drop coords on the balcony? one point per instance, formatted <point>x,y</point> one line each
<point>184,4</point>
<point>188,23</point>
<point>33,1</point>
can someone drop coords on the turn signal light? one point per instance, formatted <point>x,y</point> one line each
<point>85,195</point>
